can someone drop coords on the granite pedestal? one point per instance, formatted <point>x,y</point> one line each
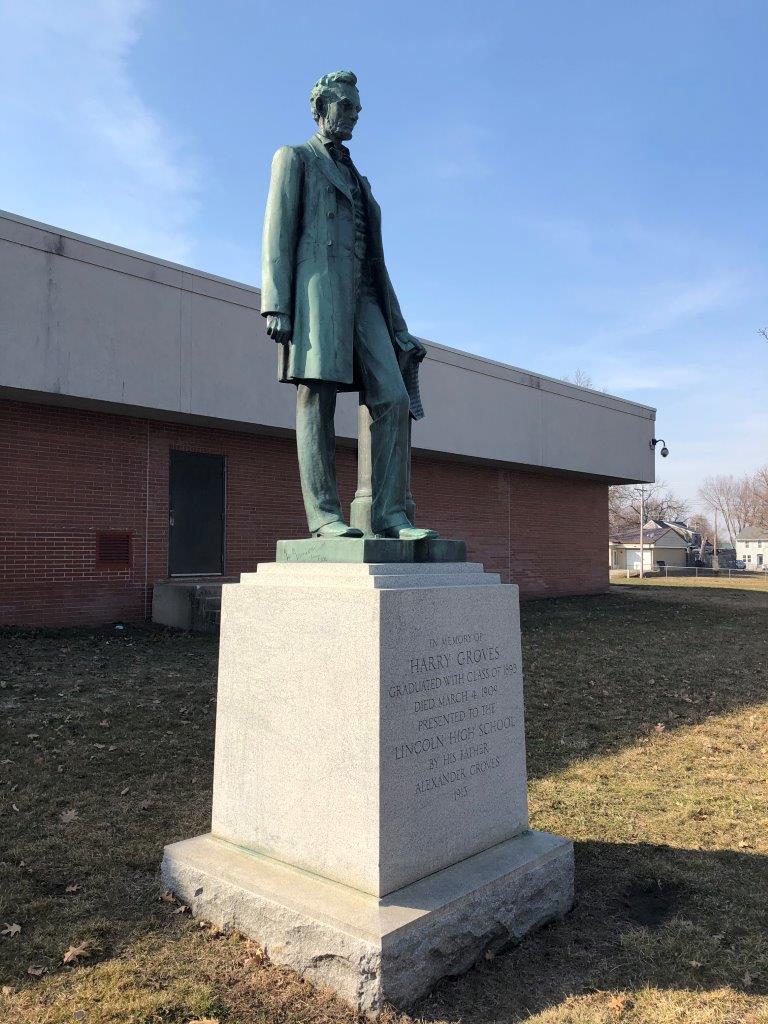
<point>370,824</point>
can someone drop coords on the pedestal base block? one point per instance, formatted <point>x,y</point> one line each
<point>370,950</point>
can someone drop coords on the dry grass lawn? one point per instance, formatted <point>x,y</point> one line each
<point>648,744</point>
<point>753,583</point>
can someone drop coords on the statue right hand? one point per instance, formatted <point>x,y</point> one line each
<point>279,327</point>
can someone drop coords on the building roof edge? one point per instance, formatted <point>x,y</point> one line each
<point>452,356</point>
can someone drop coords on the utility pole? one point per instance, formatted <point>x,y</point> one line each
<point>715,560</point>
<point>642,520</point>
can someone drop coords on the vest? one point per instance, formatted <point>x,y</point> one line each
<point>358,203</point>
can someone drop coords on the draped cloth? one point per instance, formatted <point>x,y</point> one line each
<point>409,367</point>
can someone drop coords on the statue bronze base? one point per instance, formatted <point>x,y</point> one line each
<point>370,549</point>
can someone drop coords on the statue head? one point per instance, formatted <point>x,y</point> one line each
<point>335,104</point>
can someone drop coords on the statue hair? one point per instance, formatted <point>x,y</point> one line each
<point>324,87</point>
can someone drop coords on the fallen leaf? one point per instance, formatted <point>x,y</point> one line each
<point>11,929</point>
<point>68,816</point>
<point>33,735</point>
<point>181,909</point>
<point>489,954</point>
<point>75,952</point>
<point>619,1003</point>
<point>125,791</point>
<point>659,727</point>
<point>104,724</point>
<point>72,888</point>
<point>78,1015</point>
<point>167,897</point>
<point>36,972</point>
<point>7,990</point>
<point>695,963</point>
<point>15,808</point>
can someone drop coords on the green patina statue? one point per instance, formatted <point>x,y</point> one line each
<point>330,305</point>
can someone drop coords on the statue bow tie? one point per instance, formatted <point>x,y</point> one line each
<point>340,155</point>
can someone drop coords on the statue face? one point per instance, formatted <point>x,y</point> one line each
<point>341,113</point>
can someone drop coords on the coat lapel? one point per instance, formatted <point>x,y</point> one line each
<point>374,210</point>
<point>328,167</point>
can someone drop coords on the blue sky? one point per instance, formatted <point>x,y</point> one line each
<point>565,185</point>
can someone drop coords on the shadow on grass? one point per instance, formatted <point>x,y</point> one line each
<point>602,672</point>
<point>644,916</point>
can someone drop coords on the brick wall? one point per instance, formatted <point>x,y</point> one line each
<point>66,475</point>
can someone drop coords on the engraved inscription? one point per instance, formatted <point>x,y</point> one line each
<point>455,700</point>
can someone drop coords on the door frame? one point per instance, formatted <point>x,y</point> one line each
<point>191,575</point>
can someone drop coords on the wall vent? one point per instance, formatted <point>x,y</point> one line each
<point>113,550</point>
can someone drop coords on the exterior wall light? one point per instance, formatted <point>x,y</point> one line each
<point>663,443</point>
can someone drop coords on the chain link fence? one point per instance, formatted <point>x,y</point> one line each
<point>671,571</point>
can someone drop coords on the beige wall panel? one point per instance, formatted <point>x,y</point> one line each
<point>88,322</point>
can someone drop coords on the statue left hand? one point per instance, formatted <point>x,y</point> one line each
<point>409,343</point>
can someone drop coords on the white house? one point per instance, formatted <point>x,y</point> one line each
<point>752,547</point>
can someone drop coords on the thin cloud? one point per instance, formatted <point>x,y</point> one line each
<point>83,149</point>
<point>469,165</point>
<point>692,301</point>
<point>466,155</point>
<point>574,239</point>
<point>664,308</point>
<point>662,378</point>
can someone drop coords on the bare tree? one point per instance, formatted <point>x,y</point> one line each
<point>701,525</point>
<point>733,498</point>
<point>760,488</point>
<point>764,332</point>
<point>579,377</point>
<point>659,503</point>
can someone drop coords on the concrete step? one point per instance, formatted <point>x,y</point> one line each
<point>189,603</point>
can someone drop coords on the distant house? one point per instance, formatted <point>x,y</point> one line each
<point>677,525</point>
<point>665,543</point>
<point>752,547</point>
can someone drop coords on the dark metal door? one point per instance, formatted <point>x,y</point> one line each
<point>196,514</point>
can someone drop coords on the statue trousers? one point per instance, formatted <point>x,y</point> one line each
<point>384,393</point>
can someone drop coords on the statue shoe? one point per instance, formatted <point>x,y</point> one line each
<point>337,528</point>
<point>409,533</point>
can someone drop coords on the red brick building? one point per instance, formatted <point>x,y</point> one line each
<point>112,363</point>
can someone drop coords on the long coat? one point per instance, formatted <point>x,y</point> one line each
<point>308,264</point>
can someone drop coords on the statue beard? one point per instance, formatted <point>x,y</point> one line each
<point>333,130</point>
